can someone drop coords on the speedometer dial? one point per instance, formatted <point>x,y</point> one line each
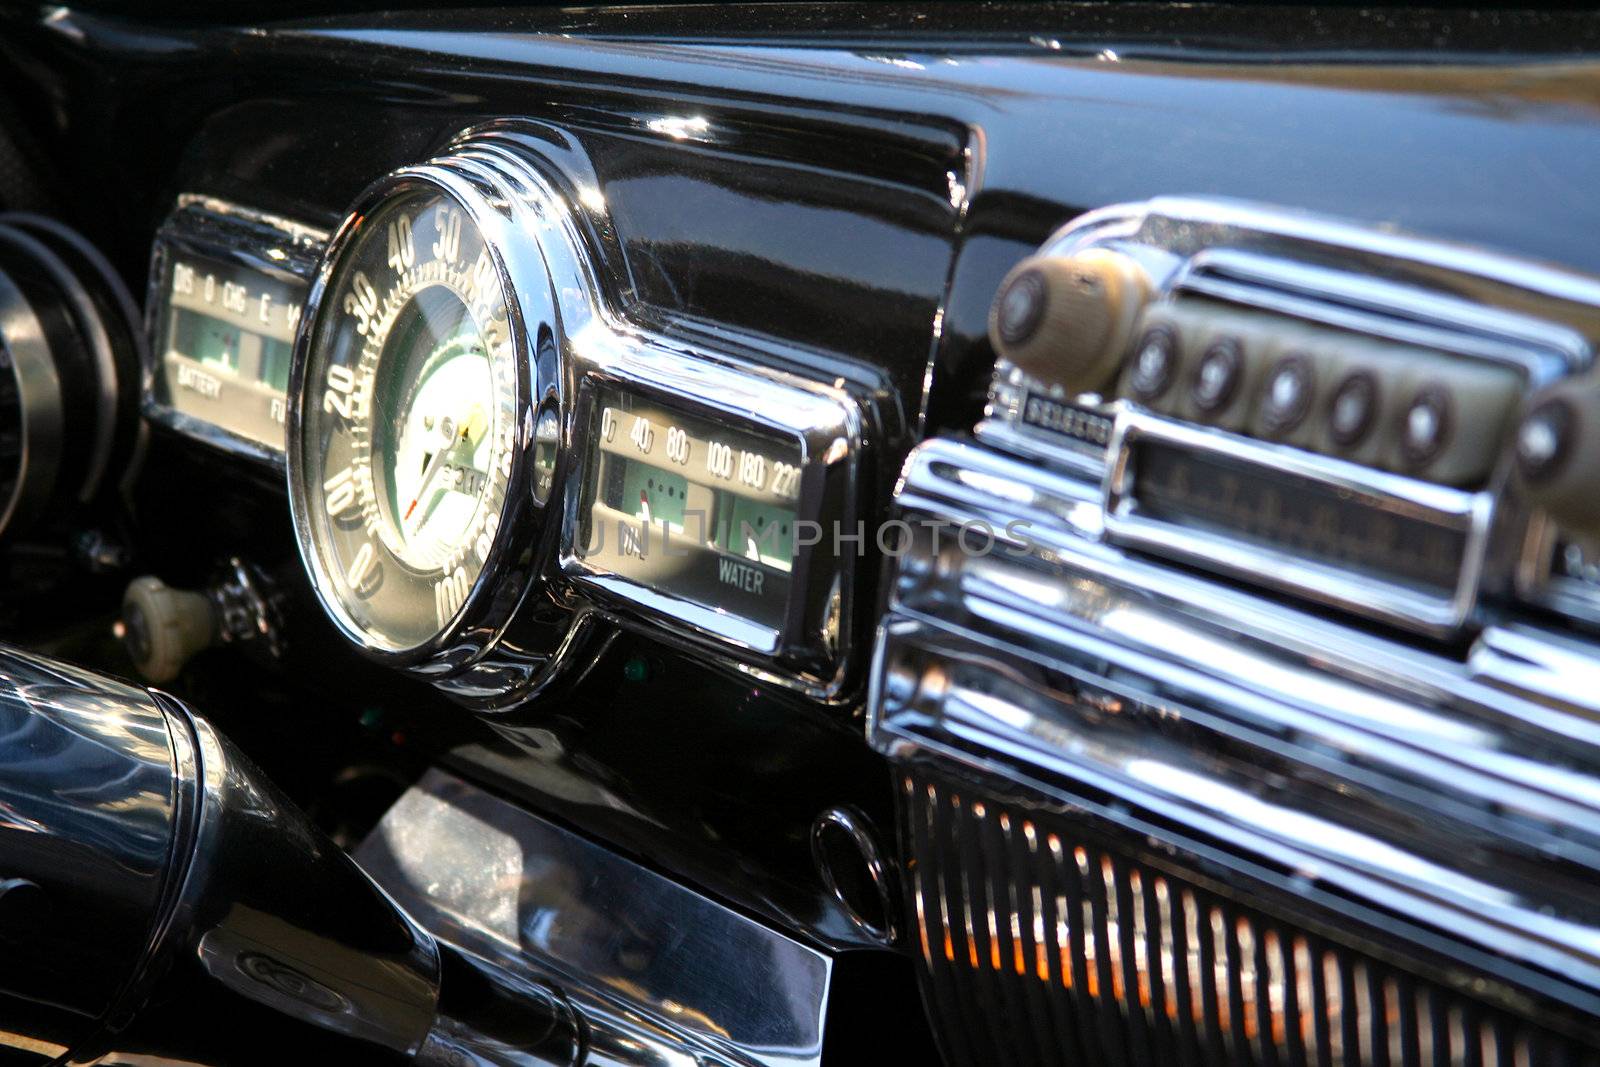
<point>409,401</point>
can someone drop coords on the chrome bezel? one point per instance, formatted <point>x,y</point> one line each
<point>497,202</point>
<point>281,248</point>
<point>1467,513</point>
<point>820,418</point>
<point>731,377</point>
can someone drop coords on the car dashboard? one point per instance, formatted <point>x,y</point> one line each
<point>799,534</point>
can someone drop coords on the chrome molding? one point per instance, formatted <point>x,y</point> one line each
<point>659,973</point>
<point>1459,794</point>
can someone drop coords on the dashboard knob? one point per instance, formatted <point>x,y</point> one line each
<point>1558,454</point>
<point>162,627</point>
<point>1067,320</point>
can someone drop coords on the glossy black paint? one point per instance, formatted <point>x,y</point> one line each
<point>865,176</point>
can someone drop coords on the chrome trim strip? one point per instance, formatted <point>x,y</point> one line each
<point>1409,314</point>
<point>660,973</point>
<point>1185,225</point>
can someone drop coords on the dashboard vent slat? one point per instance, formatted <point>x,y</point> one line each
<point>1039,946</point>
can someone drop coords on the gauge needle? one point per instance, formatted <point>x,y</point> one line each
<point>427,475</point>
<point>471,430</point>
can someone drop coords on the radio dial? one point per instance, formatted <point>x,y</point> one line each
<point>1067,320</point>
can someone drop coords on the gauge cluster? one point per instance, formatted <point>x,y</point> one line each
<point>227,291</point>
<point>719,503</point>
<point>489,465</point>
<point>693,509</point>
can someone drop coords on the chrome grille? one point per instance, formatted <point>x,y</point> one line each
<point>1040,947</point>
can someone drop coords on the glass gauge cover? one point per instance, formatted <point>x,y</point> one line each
<point>409,398</point>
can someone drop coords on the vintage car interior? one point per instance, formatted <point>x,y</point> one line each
<point>799,534</point>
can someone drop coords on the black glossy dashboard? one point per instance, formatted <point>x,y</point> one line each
<point>829,194</point>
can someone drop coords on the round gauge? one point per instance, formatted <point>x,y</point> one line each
<point>409,394</point>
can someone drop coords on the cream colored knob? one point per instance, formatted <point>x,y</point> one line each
<point>1558,454</point>
<point>1067,320</point>
<point>163,627</point>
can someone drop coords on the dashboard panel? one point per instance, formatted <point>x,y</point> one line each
<point>1067,529</point>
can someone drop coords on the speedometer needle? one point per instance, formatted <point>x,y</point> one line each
<point>470,429</point>
<point>427,476</point>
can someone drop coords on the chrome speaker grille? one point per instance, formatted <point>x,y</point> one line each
<point>1040,947</point>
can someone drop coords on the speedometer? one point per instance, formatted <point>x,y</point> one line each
<point>411,390</point>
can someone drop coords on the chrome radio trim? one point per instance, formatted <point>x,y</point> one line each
<point>1528,314</point>
<point>1461,794</point>
<point>827,423</point>
<point>209,226</point>
<point>1469,513</point>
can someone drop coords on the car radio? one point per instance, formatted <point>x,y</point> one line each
<point>1390,426</point>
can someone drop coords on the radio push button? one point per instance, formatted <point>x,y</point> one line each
<point>1287,395</point>
<point>1291,395</point>
<point>1558,454</point>
<point>1217,375</point>
<point>1358,416</point>
<point>1452,418</point>
<point>1227,349</point>
<point>1155,363</point>
<point>1353,408</point>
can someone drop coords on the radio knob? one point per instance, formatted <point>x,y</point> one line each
<point>1558,454</point>
<point>1067,320</point>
